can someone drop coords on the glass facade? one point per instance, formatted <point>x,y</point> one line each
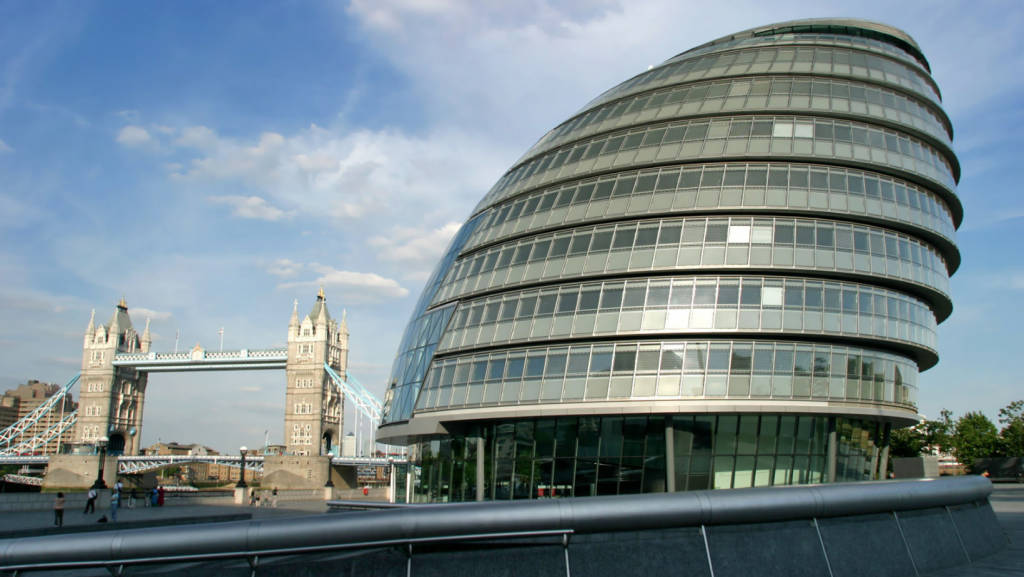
<point>810,138</point>
<point>854,63</point>
<point>760,187</point>
<point>757,95</point>
<point>690,304</point>
<point>687,370</point>
<point>702,243</point>
<point>622,455</point>
<point>725,272</point>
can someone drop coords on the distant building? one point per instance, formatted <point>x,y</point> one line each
<point>20,402</point>
<point>230,474</point>
<point>194,471</point>
<point>348,446</point>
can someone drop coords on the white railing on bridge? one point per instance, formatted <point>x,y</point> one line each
<point>23,480</point>
<point>202,359</point>
<point>13,439</point>
<point>24,459</point>
<point>129,465</point>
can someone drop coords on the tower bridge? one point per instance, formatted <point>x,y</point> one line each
<point>117,362</point>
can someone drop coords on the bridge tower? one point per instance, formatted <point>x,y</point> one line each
<point>314,407</point>
<point>111,398</point>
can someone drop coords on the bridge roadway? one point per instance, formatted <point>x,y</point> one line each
<point>129,465</point>
<point>202,360</point>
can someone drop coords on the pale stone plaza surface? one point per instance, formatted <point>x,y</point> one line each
<point>12,522</point>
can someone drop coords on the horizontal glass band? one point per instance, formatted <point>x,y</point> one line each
<point>776,93</point>
<point>804,39</point>
<point>670,370</point>
<point>699,243</point>
<point>691,305</point>
<point>720,138</point>
<point>418,345</point>
<point>803,60</point>
<point>773,187</point>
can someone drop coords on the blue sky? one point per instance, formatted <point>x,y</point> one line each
<point>215,161</point>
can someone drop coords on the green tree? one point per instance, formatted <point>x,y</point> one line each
<point>905,443</point>
<point>938,434</point>
<point>974,437</point>
<point>1011,438</point>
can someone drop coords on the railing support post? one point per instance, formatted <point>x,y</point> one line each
<point>480,462</point>
<point>833,446</point>
<point>883,461</point>
<point>670,455</point>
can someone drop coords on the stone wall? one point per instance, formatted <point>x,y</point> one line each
<point>78,471</point>
<point>297,472</point>
<point>375,494</point>
<point>44,501</point>
<point>294,472</point>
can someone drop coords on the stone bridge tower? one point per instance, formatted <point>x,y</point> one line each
<point>111,398</point>
<point>314,406</point>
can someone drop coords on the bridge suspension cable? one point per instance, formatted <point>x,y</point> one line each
<point>365,401</point>
<point>12,439</point>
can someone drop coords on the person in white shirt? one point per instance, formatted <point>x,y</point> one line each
<point>90,505</point>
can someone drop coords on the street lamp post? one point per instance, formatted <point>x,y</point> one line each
<point>241,476</point>
<point>330,482</point>
<point>102,444</point>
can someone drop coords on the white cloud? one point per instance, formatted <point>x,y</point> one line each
<point>250,389</point>
<point>140,315</point>
<point>414,245</point>
<point>199,137</point>
<point>284,268</point>
<point>365,285</point>
<point>400,15</point>
<point>4,147</point>
<point>134,136</point>
<point>318,163</point>
<point>350,174</point>
<point>251,207</point>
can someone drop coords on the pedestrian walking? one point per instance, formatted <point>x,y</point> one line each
<point>152,497</point>
<point>252,497</point>
<point>160,496</point>
<point>115,502</point>
<point>58,510</point>
<point>90,504</point>
<point>131,499</point>
<point>274,497</point>
<point>266,498</point>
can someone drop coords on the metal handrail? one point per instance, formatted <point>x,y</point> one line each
<point>475,521</point>
<point>365,505</point>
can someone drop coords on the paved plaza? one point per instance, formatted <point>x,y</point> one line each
<point>31,521</point>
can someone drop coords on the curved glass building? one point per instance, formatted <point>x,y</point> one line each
<point>725,272</point>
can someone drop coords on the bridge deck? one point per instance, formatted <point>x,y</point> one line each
<point>203,360</point>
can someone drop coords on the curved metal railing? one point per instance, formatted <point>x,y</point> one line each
<point>423,524</point>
